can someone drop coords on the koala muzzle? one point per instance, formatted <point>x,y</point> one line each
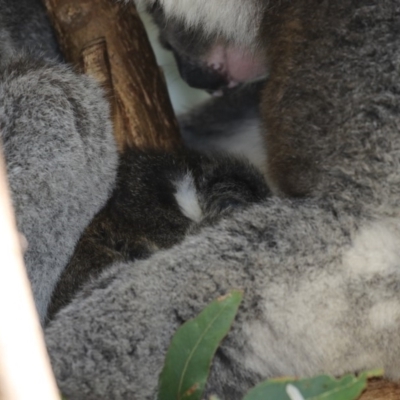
<point>199,75</point>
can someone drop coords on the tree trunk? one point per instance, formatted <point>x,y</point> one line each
<point>109,42</point>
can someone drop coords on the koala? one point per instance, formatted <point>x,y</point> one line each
<point>158,198</point>
<point>318,263</point>
<point>229,41</point>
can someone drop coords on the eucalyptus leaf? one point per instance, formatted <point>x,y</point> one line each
<point>193,347</point>
<point>321,387</point>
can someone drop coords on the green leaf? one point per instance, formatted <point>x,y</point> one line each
<point>321,387</point>
<point>193,347</point>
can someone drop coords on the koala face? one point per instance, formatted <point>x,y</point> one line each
<point>215,43</point>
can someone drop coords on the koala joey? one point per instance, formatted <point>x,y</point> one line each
<point>157,200</point>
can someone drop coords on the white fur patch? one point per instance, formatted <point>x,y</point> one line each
<point>384,315</point>
<point>187,198</point>
<point>297,349</point>
<point>375,249</point>
<point>236,20</point>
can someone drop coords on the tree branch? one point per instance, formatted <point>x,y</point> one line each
<point>109,42</point>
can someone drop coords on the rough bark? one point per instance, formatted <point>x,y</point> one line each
<point>380,389</point>
<point>108,41</point>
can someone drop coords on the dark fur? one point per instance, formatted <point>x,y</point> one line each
<point>230,124</point>
<point>322,56</point>
<point>143,214</point>
<point>24,26</point>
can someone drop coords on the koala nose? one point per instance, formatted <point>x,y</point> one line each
<point>200,76</point>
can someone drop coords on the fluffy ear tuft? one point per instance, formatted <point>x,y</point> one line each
<point>236,20</point>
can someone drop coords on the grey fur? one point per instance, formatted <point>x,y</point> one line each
<point>24,26</point>
<point>61,160</point>
<point>321,274</point>
<point>303,312</point>
<point>230,124</point>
